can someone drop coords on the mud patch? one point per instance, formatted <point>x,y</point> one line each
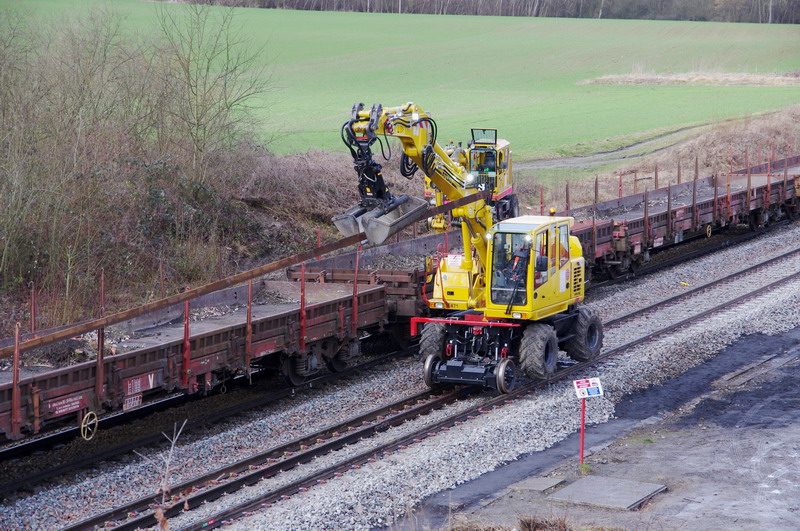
<point>707,79</point>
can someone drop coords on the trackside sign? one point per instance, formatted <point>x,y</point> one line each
<point>588,387</point>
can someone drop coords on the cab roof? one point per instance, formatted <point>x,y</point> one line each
<point>528,223</point>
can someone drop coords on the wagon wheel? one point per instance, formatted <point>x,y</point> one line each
<point>708,230</point>
<point>89,425</point>
<point>290,373</point>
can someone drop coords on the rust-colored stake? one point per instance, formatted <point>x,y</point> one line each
<point>620,185</point>
<point>161,277</point>
<point>99,373</point>
<point>33,307</point>
<point>16,405</point>
<point>655,179</point>
<point>566,211</point>
<point>248,343</point>
<point>319,240</point>
<point>354,316</point>
<point>187,352</point>
<point>303,307</point>
<point>541,202</point>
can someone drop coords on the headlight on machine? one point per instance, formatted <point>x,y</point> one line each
<point>516,315</point>
<point>439,305</point>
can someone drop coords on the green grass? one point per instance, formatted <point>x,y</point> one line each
<point>516,74</point>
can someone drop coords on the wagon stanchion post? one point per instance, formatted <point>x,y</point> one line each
<point>16,403</point>
<point>248,342</point>
<point>679,170</point>
<point>716,212</point>
<point>696,168</point>
<point>619,188</point>
<point>728,200</point>
<point>669,210</point>
<point>655,178</point>
<point>354,316</point>
<point>99,374</point>
<point>695,215</point>
<point>33,307</point>
<point>319,240</point>
<point>541,200</point>
<point>302,307</point>
<point>596,192</point>
<point>187,352</point>
<point>161,277</point>
<point>646,221</point>
<point>566,193</point>
<point>749,179</point>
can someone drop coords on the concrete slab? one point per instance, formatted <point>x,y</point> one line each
<point>538,484</point>
<point>613,493</point>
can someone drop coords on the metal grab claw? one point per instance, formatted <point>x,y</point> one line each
<point>382,221</point>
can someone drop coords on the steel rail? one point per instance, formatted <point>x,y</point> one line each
<point>243,509</point>
<point>154,438</point>
<point>210,486</point>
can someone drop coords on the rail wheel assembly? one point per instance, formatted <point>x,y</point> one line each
<point>538,351</point>
<point>505,374</point>
<point>432,362</point>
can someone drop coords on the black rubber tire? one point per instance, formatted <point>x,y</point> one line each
<point>514,205</point>
<point>432,362</point>
<point>538,351</point>
<point>587,342</point>
<point>505,375</point>
<point>432,340</point>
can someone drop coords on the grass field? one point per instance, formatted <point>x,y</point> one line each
<point>516,74</point>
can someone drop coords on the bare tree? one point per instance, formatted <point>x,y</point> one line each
<point>217,76</point>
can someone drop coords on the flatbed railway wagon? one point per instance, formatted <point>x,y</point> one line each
<point>320,326</point>
<point>619,236</point>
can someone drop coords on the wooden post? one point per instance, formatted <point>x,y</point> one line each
<point>655,183</point>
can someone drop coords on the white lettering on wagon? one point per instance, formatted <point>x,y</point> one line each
<point>137,384</point>
<point>65,405</point>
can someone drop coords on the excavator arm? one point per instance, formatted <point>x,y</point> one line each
<point>379,213</point>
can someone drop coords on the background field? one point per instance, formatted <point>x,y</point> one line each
<point>518,75</point>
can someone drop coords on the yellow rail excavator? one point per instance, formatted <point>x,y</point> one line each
<point>511,296</point>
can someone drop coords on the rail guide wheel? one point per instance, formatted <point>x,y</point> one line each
<point>89,425</point>
<point>505,375</point>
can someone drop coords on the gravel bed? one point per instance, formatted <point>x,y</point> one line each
<point>113,483</point>
<point>376,494</point>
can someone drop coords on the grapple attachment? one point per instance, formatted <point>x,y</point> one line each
<point>382,220</point>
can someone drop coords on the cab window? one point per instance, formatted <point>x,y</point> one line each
<point>511,259</point>
<point>563,244</point>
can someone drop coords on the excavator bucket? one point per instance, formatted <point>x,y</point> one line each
<point>381,222</point>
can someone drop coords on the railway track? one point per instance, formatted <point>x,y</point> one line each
<point>735,295</point>
<point>156,437</point>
